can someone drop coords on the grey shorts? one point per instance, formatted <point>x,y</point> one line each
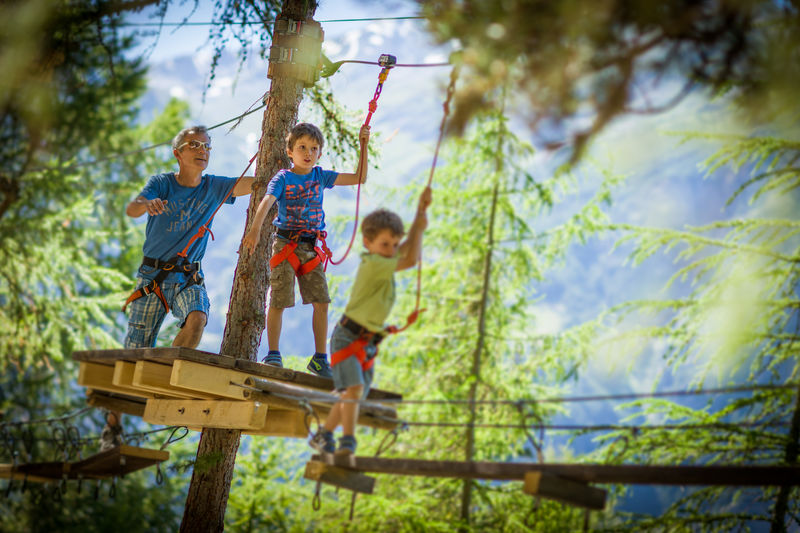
<point>348,373</point>
<point>313,286</point>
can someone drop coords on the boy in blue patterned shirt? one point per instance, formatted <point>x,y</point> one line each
<point>299,192</point>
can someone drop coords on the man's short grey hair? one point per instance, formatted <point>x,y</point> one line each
<point>178,140</point>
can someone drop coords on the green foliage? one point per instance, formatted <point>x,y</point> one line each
<point>735,321</point>
<point>603,59</point>
<point>67,107</point>
<point>66,246</point>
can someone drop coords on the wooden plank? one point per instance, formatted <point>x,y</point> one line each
<point>123,373</point>
<point>289,396</point>
<point>124,404</point>
<point>222,414</point>
<point>100,376</point>
<point>564,490</point>
<point>156,378</point>
<point>117,462</point>
<point>207,379</point>
<point>587,473</point>
<point>40,472</point>
<point>162,354</point>
<point>11,472</point>
<point>282,423</point>
<point>172,353</point>
<point>339,477</point>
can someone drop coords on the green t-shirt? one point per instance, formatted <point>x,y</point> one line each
<point>372,296</point>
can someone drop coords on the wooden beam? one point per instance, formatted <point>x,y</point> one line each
<point>166,354</point>
<point>564,490</point>
<point>587,473</point>
<point>291,396</point>
<point>207,379</point>
<point>100,376</point>
<point>124,404</point>
<point>222,414</point>
<point>156,378</point>
<point>282,423</point>
<point>117,462</point>
<point>339,477</point>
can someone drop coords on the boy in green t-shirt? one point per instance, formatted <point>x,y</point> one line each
<point>354,342</point>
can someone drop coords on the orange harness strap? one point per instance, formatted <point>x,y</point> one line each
<point>152,287</point>
<point>300,269</point>
<point>355,348</point>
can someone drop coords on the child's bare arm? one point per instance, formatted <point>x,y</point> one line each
<point>411,248</point>
<point>252,237</point>
<point>360,175</point>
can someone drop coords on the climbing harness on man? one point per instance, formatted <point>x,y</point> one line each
<point>178,262</point>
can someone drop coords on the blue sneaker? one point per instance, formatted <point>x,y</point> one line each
<point>319,366</point>
<point>347,445</point>
<point>322,441</point>
<point>274,359</point>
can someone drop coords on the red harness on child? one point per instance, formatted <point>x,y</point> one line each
<point>287,253</point>
<point>365,336</point>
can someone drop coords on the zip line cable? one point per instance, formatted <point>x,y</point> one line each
<point>234,119</point>
<point>602,427</point>
<point>571,399</point>
<point>253,23</point>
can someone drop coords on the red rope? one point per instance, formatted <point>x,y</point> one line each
<point>373,106</point>
<point>204,228</point>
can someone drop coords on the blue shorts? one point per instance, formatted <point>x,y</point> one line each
<point>147,313</point>
<point>348,373</point>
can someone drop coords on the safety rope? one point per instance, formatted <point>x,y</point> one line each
<point>205,227</point>
<point>387,63</point>
<point>446,107</point>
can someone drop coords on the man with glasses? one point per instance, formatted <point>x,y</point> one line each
<point>170,277</point>
<point>178,204</point>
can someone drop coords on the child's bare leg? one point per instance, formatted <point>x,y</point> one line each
<point>349,409</point>
<point>274,322</point>
<point>319,324</point>
<point>334,417</point>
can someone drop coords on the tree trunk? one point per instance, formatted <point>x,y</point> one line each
<point>216,453</point>
<point>792,450</point>
<point>475,374</point>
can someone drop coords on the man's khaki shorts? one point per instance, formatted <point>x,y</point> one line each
<point>313,286</point>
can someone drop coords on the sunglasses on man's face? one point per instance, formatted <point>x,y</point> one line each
<point>196,145</point>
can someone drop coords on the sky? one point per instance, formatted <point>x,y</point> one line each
<point>667,186</point>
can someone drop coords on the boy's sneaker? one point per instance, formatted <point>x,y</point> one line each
<point>110,437</point>
<point>323,441</point>
<point>319,366</point>
<point>273,359</point>
<point>347,445</point>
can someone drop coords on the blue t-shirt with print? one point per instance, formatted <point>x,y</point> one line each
<point>186,210</point>
<point>299,198</point>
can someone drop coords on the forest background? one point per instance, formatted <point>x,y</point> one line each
<point>663,259</point>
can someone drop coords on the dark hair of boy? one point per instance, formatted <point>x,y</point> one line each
<point>379,220</point>
<point>304,128</point>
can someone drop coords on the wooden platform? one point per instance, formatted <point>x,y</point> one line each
<point>181,386</point>
<point>110,463</point>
